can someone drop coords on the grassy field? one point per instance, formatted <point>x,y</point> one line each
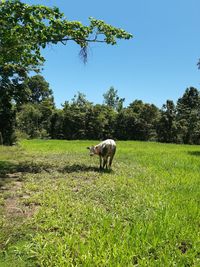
<point>57,209</point>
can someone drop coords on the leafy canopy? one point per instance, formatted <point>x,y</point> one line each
<point>25,29</point>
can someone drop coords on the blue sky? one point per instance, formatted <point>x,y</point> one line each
<point>159,63</point>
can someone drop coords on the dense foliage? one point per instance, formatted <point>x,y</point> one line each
<point>81,119</point>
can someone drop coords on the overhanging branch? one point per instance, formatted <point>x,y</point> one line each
<point>4,49</point>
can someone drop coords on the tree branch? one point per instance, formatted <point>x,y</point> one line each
<point>3,49</point>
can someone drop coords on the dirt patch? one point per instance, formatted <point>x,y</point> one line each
<point>13,211</point>
<point>15,175</point>
<point>13,207</point>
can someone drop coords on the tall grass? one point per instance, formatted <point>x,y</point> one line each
<point>145,212</point>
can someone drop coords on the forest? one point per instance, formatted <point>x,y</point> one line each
<point>35,115</point>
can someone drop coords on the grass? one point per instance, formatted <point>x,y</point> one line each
<point>57,209</point>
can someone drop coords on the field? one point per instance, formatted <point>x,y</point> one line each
<point>58,209</point>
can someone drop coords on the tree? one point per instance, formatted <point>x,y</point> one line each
<point>74,117</point>
<point>188,115</point>
<point>31,27</point>
<point>144,119</point>
<point>149,118</point>
<point>80,101</point>
<point>28,120</point>
<point>24,30</point>
<point>167,127</point>
<point>38,89</point>
<point>10,90</point>
<point>105,121</point>
<point>112,99</point>
<point>37,102</point>
<point>56,124</point>
<point>125,124</point>
<point>7,117</point>
<point>73,121</point>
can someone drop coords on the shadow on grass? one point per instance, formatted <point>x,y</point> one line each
<point>8,168</point>
<point>13,171</point>
<point>194,153</point>
<point>83,168</point>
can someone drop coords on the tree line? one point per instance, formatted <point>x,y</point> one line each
<point>37,116</point>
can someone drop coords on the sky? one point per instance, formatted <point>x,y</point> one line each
<point>159,63</point>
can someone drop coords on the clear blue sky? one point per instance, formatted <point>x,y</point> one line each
<point>159,63</point>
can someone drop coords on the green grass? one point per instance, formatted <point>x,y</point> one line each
<point>145,212</point>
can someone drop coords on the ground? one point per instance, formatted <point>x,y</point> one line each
<point>58,209</point>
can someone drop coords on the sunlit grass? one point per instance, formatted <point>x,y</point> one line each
<point>145,212</point>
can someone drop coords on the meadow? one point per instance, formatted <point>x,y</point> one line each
<point>58,209</point>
